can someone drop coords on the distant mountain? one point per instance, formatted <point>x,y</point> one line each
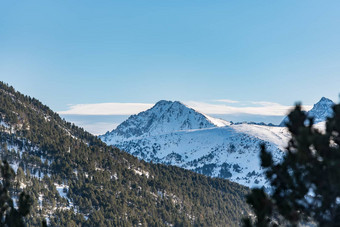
<point>77,180</point>
<point>320,111</point>
<point>163,118</point>
<point>173,134</point>
<point>252,123</point>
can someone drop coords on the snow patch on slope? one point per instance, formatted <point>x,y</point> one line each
<point>216,121</point>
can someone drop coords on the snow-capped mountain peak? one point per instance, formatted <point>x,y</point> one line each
<point>174,134</point>
<point>320,111</point>
<point>163,117</point>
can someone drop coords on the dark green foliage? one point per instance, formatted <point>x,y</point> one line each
<point>9,215</point>
<point>106,186</point>
<point>306,184</point>
<point>262,206</point>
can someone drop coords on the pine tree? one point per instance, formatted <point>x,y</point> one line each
<point>10,216</point>
<point>305,186</point>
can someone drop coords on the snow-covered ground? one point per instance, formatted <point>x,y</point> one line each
<point>230,152</point>
<point>62,190</point>
<point>171,133</point>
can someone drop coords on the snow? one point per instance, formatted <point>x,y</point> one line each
<point>321,126</point>
<point>60,188</point>
<point>47,118</point>
<point>4,124</point>
<point>275,135</point>
<point>141,173</point>
<point>174,134</point>
<point>114,176</point>
<point>40,199</point>
<point>165,117</point>
<point>320,111</point>
<point>99,169</point>
<point>15,166</point>
<point>235,145</point>
<point>217,122</point>
<point>22,185</point>
<point>233,149</point>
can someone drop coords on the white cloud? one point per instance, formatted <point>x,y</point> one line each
<point>226,101</point>
<point>106,109</point>
<point>263,108</point>
<point>264,103</point>
<point>260,108</point>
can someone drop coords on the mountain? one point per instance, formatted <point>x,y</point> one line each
<point>174,134</point>
<point>75,179</point>
<point>209,146</point>
<point>164,117</point>
<point>320,111</point>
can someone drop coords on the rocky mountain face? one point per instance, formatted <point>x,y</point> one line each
<point>75,179</point>
<point>165,117</point>
<point>320,111</point>
<point>229,151</point>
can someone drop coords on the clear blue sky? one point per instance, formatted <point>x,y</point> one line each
<point>79,52</point>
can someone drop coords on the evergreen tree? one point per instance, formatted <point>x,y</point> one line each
<point>101,181</point>
<point>10,216</point>
<point>305,185</point>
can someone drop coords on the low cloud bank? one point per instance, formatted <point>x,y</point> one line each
<point>222,106</point>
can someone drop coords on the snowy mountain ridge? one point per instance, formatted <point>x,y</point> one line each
<point>320,111</point>
<point>178,135</point>
<point>164,117</point>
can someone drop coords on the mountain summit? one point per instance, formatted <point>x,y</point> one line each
<point>164,117</point>
<point>320,111</point>
<point>174,134</point>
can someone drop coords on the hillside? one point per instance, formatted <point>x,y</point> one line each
<point>75,179</point>
<point>229,151</point>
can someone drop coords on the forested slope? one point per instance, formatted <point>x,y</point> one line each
<point>75,179</point>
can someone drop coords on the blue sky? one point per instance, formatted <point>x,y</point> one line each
<point>67,53</point>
